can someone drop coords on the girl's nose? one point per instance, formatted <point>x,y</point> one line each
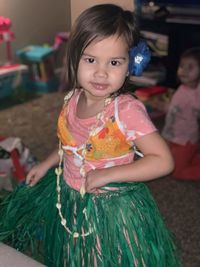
<point>101,71</point>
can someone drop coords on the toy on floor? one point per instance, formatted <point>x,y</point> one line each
<point>156,99</point>
<point>40,62</point>
<point>15,161</point>
<point>6,36</point>
<point>60,38</point>
<point>11,75</point>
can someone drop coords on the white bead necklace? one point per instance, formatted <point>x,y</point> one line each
<point>58,171</point>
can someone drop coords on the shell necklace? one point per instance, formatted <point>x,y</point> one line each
<point>58,171</point>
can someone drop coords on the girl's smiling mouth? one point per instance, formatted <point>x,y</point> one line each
<point>99,86</point>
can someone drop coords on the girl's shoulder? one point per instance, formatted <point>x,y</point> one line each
<point>129,103</point>
<point>72,97</point>
<point>183,89</point>
<point>132,116</point>
<point>183,94</point>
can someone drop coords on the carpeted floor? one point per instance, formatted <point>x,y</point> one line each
<point>35,123</point>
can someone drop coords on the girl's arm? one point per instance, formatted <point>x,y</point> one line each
<point>38,171</point>
<point>157,162</point>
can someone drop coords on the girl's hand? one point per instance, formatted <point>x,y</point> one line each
<point>95,179</point>
<point>36,173</point>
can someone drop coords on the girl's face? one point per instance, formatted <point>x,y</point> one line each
<point>103,67</point>
<point>189,72</point>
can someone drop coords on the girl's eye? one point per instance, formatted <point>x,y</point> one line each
<point>115,63</point>
<point>90,60</point>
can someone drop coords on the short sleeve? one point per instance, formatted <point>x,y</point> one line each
<point>133,118</point>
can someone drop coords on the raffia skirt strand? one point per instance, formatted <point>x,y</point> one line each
<point>125,227</point>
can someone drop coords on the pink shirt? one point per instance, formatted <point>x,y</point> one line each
<point>181,124</point>
<point>132,120</point>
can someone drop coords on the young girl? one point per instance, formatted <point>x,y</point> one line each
<point>97,211</point>
<point>182,121</point>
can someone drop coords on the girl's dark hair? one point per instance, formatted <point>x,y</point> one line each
<point>99,21</point>
<point>193,52</point>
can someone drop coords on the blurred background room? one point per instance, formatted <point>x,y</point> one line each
<point>33,41</point>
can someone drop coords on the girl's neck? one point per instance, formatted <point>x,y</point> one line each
<point>193,85</point>
<point>90,100</point>
<point>89,106</point>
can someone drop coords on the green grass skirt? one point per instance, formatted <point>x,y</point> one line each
<point>126,226</point>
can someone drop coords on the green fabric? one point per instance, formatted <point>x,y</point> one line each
<point>127,229</point>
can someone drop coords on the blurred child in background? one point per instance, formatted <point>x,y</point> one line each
<point>182,121</point>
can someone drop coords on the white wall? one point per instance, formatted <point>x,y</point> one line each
<point>77,6</point>
<point>35,21</point>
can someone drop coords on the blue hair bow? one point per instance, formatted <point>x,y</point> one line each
<point>139,57</point>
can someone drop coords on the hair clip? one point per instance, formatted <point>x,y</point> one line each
<point>139,57</point>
